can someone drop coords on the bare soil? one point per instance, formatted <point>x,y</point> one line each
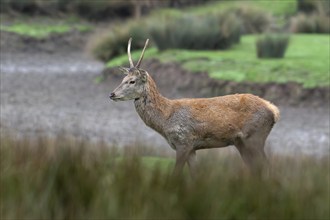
<point>51,92</point>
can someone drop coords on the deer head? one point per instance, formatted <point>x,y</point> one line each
<point>133,84</point>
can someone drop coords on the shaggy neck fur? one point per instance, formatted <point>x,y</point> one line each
<point>153,108</point>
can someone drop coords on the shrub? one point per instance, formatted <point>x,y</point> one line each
<point>314,23</point>
<point>197,33</point>
<point>110,43</point>
<point>314,6</point>
<point>253,19</point>
<point>272,45</point>
<point>94,10</point>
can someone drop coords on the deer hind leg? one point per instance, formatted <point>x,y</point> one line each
<point>253,154</point>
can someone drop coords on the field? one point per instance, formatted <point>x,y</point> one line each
<point>306,62</point>
<point>65,178</point>
<point>32,27</point>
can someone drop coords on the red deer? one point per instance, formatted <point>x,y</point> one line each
<point>188,125</point>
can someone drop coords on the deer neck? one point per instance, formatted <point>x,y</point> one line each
<point>153,108</point>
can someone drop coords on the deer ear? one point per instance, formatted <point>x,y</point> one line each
<point>124,69</point>
<point>144,75</point>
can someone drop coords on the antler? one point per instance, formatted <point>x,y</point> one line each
<point>129,53</point>
<point>130,56</point>
<point>142,54</point>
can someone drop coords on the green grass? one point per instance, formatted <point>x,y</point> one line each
<point>40,30</point>
<point>306,62</point>
<point>275,7</point>
<point>278,8</point>
<point>64,178</point>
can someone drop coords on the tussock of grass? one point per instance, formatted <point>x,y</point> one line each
<point>69,179</point>
<point>272,45</point>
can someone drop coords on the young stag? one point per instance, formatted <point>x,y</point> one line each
<point>243,120</point>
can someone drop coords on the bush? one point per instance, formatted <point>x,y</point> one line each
<point>272,45</point>
<point>314,23</point>
<point>110,43</point>
<point>314,6</point>
<point>253,19</point>
<point>197,33</point>
<point>93,10</point>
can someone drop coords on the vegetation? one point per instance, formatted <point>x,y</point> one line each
<point>272,45</point>
<point>277,8</point>
<point>313,23</point>
<point>69,179</point>
<point>111,43</point>
<point>43,30</point>
<point>314,17</point>
<point>92,10</point>
<point>253,18</point>
<point>198,33</point>
<point>187,29</point>
<point>306,65</point>
<point>314,6</point>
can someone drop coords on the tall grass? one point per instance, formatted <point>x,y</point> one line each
<point>68,179</point>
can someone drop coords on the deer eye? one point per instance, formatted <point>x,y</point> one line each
<point>132,82</point>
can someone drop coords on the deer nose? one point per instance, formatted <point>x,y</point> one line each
<point>112,95</point>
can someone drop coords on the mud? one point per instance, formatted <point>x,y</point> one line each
<point>46,93</point>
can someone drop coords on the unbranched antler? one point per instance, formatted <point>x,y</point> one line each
<point>142,54</point>
<point>131,64</point>
<point>130,56</point>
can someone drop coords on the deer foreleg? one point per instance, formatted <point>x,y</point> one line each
<point>182,156</point>
<point>192,162</point>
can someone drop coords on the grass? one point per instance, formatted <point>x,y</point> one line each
<point>64,178</point>
<point>275,7</point>
<point>278,8</point>
<point>306,61</point>
<point>42,30</point>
